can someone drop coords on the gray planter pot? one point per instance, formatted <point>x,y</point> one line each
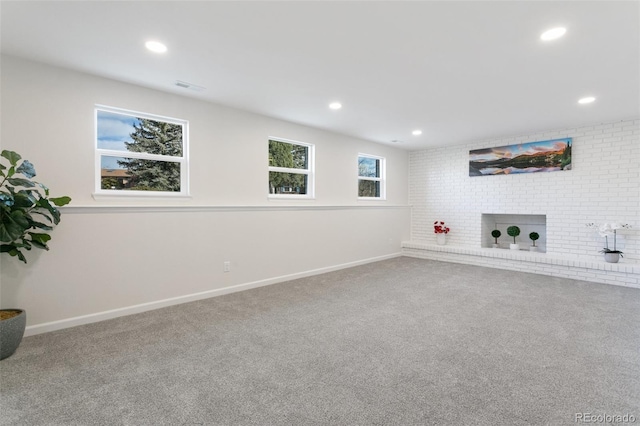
<point>11,332</point>
<point>612,257</point>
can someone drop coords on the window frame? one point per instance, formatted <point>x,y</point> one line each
<point>183,160</point>
<point>381,178</point>
<point>309,171</point>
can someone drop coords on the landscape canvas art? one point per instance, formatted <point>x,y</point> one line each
<point>530,157</point>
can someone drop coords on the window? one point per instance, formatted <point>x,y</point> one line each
<point>140,154</point>
<point>371,172</point>
<point>290,169</point>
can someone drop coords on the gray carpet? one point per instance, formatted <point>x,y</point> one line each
<point>398,342</point>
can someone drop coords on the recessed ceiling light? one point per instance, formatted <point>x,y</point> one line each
<point>553,34</point>
<point>586,100</point>
<point>156,46</point>
<point>335,105</point>
<point>416,132</point>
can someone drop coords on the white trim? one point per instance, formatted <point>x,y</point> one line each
<point>122,195</point>
<point>140,114</point>
<point>141,155</point>
<point>288,170</point>
<point>75,209</point>
<point>102,152</point>
<point>309,171</point>
<point>371,199</point>
<point>290,197</point>
<point>144,307</point>
<point>382,178</point>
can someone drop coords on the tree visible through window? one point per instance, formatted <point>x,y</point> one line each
<point>290,166</point>
<point>370,176</point>
<point>140,152</point>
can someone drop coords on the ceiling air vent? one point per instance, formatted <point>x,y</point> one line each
<point>189,86</point>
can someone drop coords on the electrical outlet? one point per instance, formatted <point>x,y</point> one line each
<point>226,266</point>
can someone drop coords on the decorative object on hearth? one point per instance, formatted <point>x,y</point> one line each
<point>441,232</point>
<point>533,237</point>
<point>496,234</point>
<point>606,230</point>
<point>514,231</point>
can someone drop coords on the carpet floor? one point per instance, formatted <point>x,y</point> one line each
<point>399,342</point>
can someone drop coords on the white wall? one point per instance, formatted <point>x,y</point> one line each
<point>105,258</point>
<point>603,186</point>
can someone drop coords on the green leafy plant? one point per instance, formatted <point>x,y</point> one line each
<point>25,207</point>
<point>534,236</point>
<point>496,234</point>
<point>513,231</point>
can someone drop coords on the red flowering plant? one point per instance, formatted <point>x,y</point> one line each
<point>439,228</point>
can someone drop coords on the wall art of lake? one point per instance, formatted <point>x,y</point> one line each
<point>530,157</point>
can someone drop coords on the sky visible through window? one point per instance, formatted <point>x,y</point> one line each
<point>113,131</point>
<point>368,167</point>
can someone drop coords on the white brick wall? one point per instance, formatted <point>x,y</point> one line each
<point>623,274</point>
<point>603,186</point>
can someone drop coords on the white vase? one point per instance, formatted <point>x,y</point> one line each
<point>533,248</point>
<point>441,239</point>
<point>494,245</point>
<point>514,246</point>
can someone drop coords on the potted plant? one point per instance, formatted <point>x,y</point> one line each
<point>496,234</point>
<point>514,231</point>
<point>533,237</point>
<point>441,232</point>
<point>26,210</point>
<point>605,230</point>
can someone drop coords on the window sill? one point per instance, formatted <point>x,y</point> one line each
<point>139,196</point>
<point>290,197</point>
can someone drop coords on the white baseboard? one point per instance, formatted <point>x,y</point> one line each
<point>135,309</point>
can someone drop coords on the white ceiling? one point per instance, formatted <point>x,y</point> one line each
<point>459,71</point>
